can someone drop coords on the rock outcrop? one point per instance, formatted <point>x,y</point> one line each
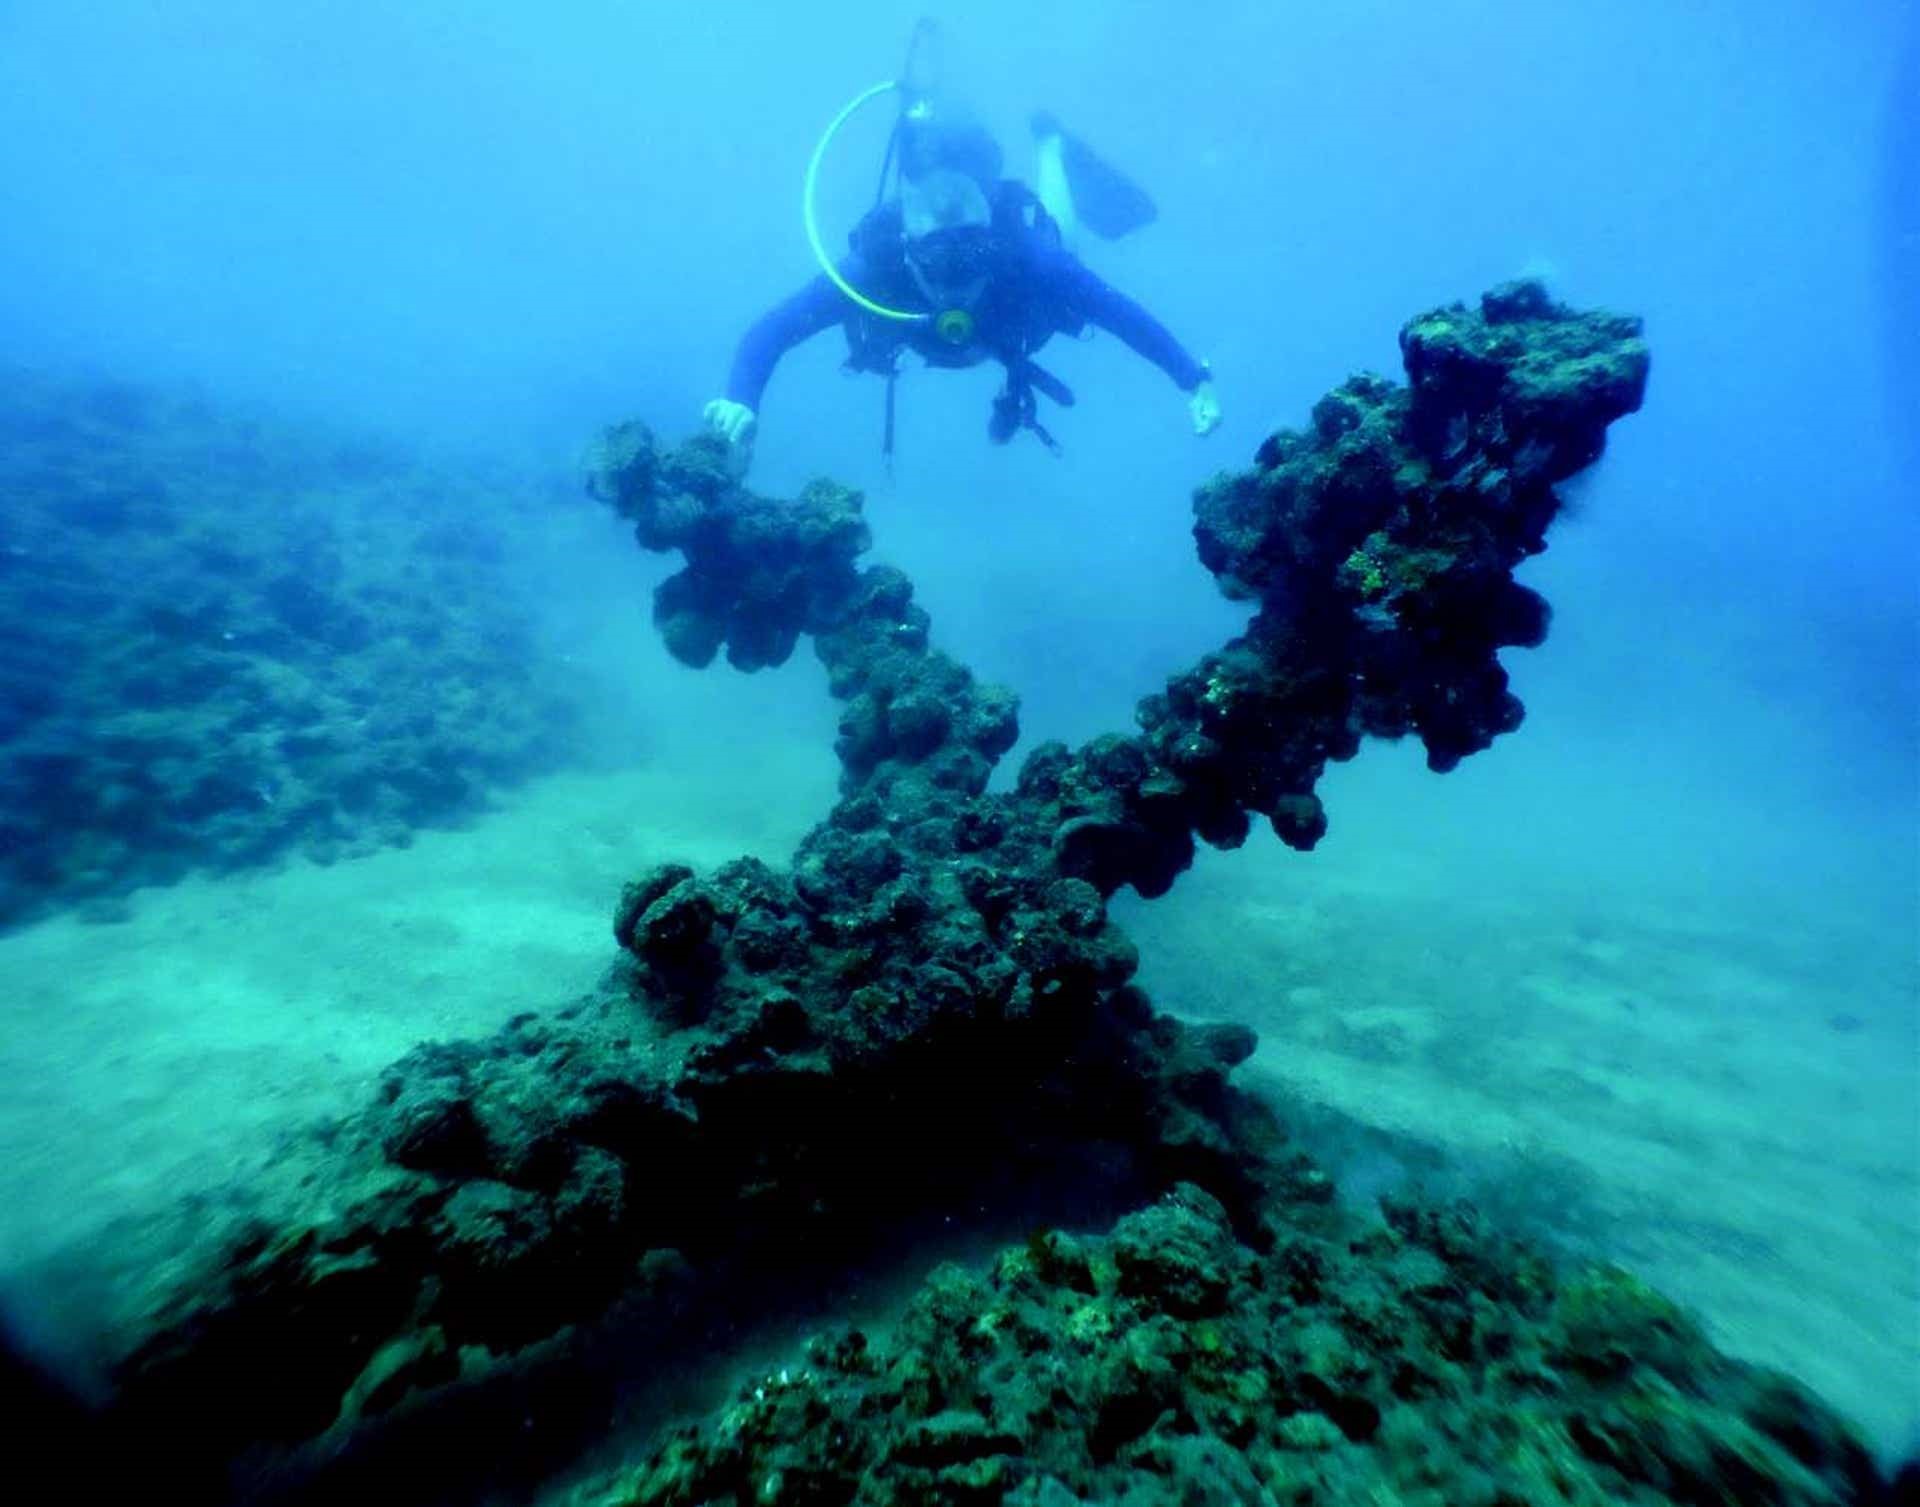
<point>930,1014</point>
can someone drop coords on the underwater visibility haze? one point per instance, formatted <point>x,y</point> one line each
<point>1110,753</point>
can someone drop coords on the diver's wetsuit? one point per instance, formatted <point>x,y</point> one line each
<point>1036,289</point>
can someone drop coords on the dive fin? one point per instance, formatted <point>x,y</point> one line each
<point>1105,200</point>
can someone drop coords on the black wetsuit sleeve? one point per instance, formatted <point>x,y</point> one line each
<point>814,308</point>
<point>1112,310</point>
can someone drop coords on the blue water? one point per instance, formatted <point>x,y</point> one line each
<point>492,228</point>
<point>505,227</point>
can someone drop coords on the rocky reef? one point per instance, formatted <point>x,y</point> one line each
<point>929,1017</point>
<point>229,640</point>
<point>1421,1362</point>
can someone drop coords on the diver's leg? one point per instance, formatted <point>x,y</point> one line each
<point>1050,176</point>
<point>1081,189</point>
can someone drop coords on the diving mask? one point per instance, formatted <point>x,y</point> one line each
<point>952,264</point>
<point>952,256</point>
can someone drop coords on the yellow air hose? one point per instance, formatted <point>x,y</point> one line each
<point>853,107</point>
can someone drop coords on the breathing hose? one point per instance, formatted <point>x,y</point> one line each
<point>851,109</point>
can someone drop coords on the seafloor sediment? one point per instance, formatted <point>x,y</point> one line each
<point>931,1010</point>
<point>226,641</point>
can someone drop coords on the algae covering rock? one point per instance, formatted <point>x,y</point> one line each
<point>1326,1361</point>
<point>227,641</point>
<point>929,1016</point>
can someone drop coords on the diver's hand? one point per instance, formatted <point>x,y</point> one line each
<point>735,423</point>
<point>1204,407</point>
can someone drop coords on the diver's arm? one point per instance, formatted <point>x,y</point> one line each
<point>1112,310</point>
<point>736,416</point>
<point>816,307</point>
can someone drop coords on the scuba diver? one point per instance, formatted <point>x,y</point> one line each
<point>961,266</point>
